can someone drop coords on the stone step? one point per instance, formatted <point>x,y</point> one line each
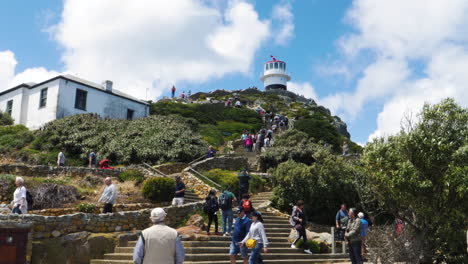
<point>224,256</point>
<point>271,239</point>
<point>280,261</point>
<point>110,261</point>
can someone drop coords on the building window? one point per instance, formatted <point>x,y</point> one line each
<point>276,65</point>
<point>284,66</point>
<point>80,99</point>
<point>43,99</point>
<point>9,107</point>
<point>130,114</point>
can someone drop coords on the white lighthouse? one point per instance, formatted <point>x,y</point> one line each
<point>274,75</point>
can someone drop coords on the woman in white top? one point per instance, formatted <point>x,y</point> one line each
<point>256,232</point>
<point>20,205</point>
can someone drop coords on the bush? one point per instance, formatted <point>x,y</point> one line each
<point>132,175</point>
<point>86,208</point>
<point>228,180</point>
<point>320,128</point>
<point>14,137</point>
<point>211,134</point>
<point>5,119</point>
<point>159,189</point>
<point>314,246</point>
<point>7,185</point>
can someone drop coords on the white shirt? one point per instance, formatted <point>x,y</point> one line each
<point>61,158</point>
<point>19,193</point>
<point>109,195</point>
<point>257,232</point>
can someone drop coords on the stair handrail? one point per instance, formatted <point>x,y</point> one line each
<point>154,169</point>
<point>197,159</point>
<point>206,178</point>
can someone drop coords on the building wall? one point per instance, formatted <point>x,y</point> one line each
<point>274,80</point>
<point>38,116</point>
<point>102,103</point>
<point>17,97</point>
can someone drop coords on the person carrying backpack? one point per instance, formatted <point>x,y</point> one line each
<point>20,198</point>
<point>341,220</point>
<point>226,199</point>
<point>246,204</point>
<point>211,209</point>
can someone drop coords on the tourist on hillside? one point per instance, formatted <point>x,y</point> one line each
<point>61,158</point>
<point>260,140</point>
<point>173,91</point>
<point>365,225</point>
<point>226,200</point>
<point>211,152</point>
<point>104,165</point>
<point>341,220</point>
<point>274,127</point>
<point>246,204</point>
<point>238,104</point>
<point>248,143</point>
<point>159,244</point>
<point>267,143</point>
<point>345,148</point>
<point>20,204</point>
<point>256,232</point>
<point>241,229</point>
<point>270,134</point>
<point>93,159</point>
<point>109,196</point>
<point>182,95</point>
<point>244,137</point>
<point>299,221</point>
<point>353,237</point>
<point>211,208</point>
<point>244,179</point>
<point>179,193</point>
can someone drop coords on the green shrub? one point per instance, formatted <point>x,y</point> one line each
<point>7,185</point>
<point>211,134</point>
<point>14,137</point>
<point>132,175</point>
<point>159,189</point>
<point>5,119</point>
<point>314,246</point>
<point>228,180</point>
<point>86,208</point>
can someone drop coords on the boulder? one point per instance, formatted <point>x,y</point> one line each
<point>76,248</point>
<point>196,220</point>
<point>319,237</point>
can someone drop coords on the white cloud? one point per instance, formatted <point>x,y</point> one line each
<point>417,52</point>
<point>282,13</point>
<point>303,88</point>
<point>9,79</point>
<point>140,43</point>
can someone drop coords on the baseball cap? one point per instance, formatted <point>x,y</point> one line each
<point>158,214</point>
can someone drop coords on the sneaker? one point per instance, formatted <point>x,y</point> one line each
<point>216,234</point>
<point>308,251</point>
<point>293,246</point>
<point>225,234</point>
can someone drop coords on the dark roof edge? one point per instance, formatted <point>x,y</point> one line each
<point>68,79</point>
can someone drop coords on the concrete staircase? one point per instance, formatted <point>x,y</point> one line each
<point>191,197</point>
<point>216,249</point>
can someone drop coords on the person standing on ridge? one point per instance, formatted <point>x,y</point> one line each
<point>244,179</point>
<point>182,95</point>
<point>20,203</point>
<point>173,91</point>
<point>179,192</point>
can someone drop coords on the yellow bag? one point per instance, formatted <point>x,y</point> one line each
<point>251,243</point>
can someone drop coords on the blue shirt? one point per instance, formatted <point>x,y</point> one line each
<point>341,214</point>
<point>241,229</point>
<point>365,225</point>
<point>179,186</point>
<point>139,252</point>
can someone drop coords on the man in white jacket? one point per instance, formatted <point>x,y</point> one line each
<point>109,196</point>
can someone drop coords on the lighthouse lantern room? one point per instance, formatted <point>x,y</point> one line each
<point>274,75</point>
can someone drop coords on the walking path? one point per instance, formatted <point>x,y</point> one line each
<point>216,249</point>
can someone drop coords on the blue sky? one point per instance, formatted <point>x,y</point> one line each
<point>370,62</point>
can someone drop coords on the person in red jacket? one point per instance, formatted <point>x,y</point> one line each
<point>173,91</point>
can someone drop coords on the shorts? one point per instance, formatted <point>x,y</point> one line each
<point>235,249</point>
<point>178,201</point>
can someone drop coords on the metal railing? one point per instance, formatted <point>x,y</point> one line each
<point>196,160</point>
<point>198,174</point>
<point>153,170</point>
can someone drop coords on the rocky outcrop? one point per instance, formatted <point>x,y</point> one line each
<point>341,126</point>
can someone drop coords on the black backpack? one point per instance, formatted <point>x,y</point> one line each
<point>29,199</point>
<point>225,202</point>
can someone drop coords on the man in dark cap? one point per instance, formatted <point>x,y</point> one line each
<point>241,229</point>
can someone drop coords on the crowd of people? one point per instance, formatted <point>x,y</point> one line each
<point>92,160</point>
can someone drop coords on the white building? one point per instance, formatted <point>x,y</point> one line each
<point>275,75</point>
<point>33,105</point>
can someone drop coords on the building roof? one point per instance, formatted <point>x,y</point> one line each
<point>80,81</point>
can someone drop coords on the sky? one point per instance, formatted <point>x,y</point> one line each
<point>371,62</point>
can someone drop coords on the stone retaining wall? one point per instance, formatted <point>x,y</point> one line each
<point>55,226</point>
<point>45,171</point>
<point>223,163</point>
<point>198,186</point>
<point>116,208</point>
<point>171,168</point>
